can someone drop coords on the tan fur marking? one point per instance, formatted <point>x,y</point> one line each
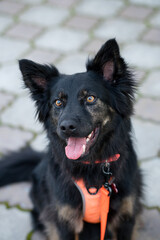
<point>52,231</point>
<point>76,237</point>
<point>72,216</point>
<point>127,206</point>
<point>107,119</point>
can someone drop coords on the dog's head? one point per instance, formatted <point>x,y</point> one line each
<point>82,109</point>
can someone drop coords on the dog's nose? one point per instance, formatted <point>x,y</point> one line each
<point>68,127</point>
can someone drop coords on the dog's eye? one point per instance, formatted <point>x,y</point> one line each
<point>58,103</point>
<point>90,99</point>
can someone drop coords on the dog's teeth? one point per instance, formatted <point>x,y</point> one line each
<point>84,148</point>
<point>87,140</point>
<point>89,136</point>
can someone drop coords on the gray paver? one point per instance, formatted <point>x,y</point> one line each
<point>31,2</point>
<point>150,171</point>
<point>150,225</point>
<point>149,3</point>
<point>11,49</point>
<point>13,139</point>
<point>99,8</point>
<point>15,224</point>
<point>151,87</point>
<point>73,63</point>
<point>152,36</point>
<point>83,23</point>
<point>53,16</point>
<point>136,12</point>
<point>142,55</point>
<point>42,56</point>
<point>21,198</point>
<point>147,138</point>
<point>40,143</point>
<point>54,39</point>
<point>11,7</point>
<point>10,79</point>
<point>155,20</point>
<point>120,29</point>
<point>24,31</point>
<point>5,22</point>
<point>148,109</point>
<point>63,3</point>
<point>21,114</point>
<point>5,99</point>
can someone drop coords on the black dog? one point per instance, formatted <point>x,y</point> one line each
<point>87,120</point>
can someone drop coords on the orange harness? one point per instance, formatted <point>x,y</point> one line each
<point>96,204</point>
<point>95,207</point>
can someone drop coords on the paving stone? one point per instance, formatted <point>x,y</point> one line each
<point>73,63</point>
<point>147,138</point>
<point>43,56</point>
<point>24,31</point>
<point>10,79</point>
<point>155,20</point>
<point>5,99</point>
<point>99,8</point>
<point>150,3</point>
<point>83,23</point>
<point>31,2</point>
<point>38,236</point>
<point>5,22</point>
<point>150,228</point>
<point>136,12</point>
<point>130,30</point>
<point>150,170</point>
<point>94,45</point>
<point>54,39</point>
<point>21,198</point>
<point>135,52</point>
<point>148,109</point>
<point>14,224</point>
<point>153,35</point>
<point>40,143</point>
<point>13,139</point>
<point>11,7</point>
<point>63,3</point>
<point>11,49</point>
<point>151,87</point>
<point>52,16</point>
<point>21,114</point>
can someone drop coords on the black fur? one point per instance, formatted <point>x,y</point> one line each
<point>110,83</point>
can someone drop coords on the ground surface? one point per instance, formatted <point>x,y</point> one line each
<point>65,32</point>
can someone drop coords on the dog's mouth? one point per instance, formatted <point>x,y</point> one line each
<point>79,147</point>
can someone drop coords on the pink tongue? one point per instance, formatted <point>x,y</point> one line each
<point>74,148</point>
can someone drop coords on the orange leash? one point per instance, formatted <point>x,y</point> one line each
<point>105,200</point>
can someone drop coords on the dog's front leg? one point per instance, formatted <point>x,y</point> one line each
<point>126,229</point>
<point>62,223</point>
<point>56,231</point>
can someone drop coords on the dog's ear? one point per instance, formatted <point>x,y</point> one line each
<point>119,80</point>
<point>108,61</point>
<point>37,78</point>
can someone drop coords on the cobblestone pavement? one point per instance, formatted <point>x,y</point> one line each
<point>65,32</point>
